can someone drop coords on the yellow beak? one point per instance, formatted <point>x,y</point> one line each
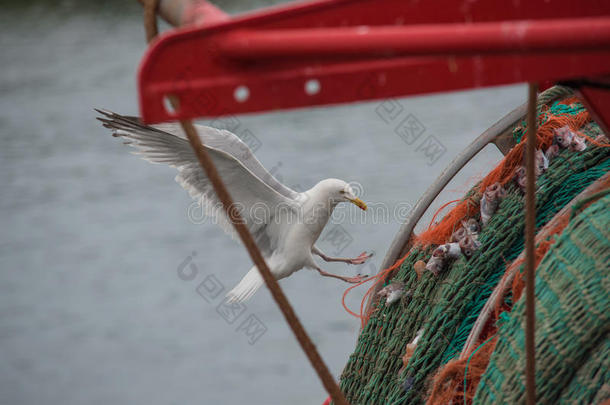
<point>359,203</point>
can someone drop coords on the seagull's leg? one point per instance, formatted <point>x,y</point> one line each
<point>363,257</point>
<point>352,280</point>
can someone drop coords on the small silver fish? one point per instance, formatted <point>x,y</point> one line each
<point>472,227</point>
<point>578,144</point>
<point>541,163</point>
<point>435,265</point>
<point>490,201</point>
<point>487,209</point>
<point>469,245</point>
<point>394,296</point>
<point>459,234</point>
<point>451,250</point>
<point>520,177</point>
<point>392,292</point>
<point>563,136</point>
<point>552,152</point>
<point>440,252</point>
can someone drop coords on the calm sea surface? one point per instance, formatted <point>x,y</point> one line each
<point>92,310</point>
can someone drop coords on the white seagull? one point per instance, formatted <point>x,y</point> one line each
<point>284,223</point>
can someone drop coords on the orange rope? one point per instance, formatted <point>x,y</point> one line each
<point>504,172</point>
<point>439,210</point>
<point>441,232</point>
<point>379,278</point>
<point>593,141</point>
<point>448,384</point>
<point>349,311</point>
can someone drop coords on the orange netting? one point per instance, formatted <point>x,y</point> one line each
<point>448,383</point>
<point>469,207</point>
<point>504,172</point>
<point>379,278</point>
<point>448,386</point>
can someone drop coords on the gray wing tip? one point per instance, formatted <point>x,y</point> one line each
<point>103,111</point>
<point>108,123</point>
<point>111,115</point>
<point>115,121</point>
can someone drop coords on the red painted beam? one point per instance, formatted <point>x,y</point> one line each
<point>292,86</point>
<point>431,39</point>
<point>319,53</point>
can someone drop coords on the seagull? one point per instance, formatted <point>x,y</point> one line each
<point>284,223</point>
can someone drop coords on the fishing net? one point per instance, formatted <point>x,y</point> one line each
<point>445,307</point>
<point>572,319</point>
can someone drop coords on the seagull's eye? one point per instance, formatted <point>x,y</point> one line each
<point>342,191</point>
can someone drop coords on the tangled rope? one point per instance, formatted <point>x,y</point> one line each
<point>445,307</point>
<point>504,172</point>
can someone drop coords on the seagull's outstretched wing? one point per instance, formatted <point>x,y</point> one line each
<point>256,193</point>
<point>230,143</point>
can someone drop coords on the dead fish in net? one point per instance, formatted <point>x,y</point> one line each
<point>458,235</point>
<point>442,254</point>
<point>435,265</point>
<point>472,227</point>
<point>469,245</point>
<point>578,144</point>
<point>541,163</point>
<point>392,292</point>
<point>520,177</point>
<point>563,136</point>
<point>449,250</point>
<point>552,152</point>
<point>490,201</point>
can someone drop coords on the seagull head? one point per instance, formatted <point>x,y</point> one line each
<point>340,191</point>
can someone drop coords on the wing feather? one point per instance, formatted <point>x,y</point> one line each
<point>230,143</point>
<point>256,199</point>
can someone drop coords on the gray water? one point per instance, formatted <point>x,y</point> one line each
<point>92,308</point>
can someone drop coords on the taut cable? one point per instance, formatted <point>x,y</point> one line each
<point>530,249</point>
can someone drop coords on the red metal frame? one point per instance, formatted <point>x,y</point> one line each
<point>329,52</point>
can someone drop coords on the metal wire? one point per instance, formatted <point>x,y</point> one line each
<point>530,234</point>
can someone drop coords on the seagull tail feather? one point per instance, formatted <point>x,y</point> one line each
<point>246,288</point>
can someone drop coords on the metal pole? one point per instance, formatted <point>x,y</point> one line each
<point>530,229</point>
